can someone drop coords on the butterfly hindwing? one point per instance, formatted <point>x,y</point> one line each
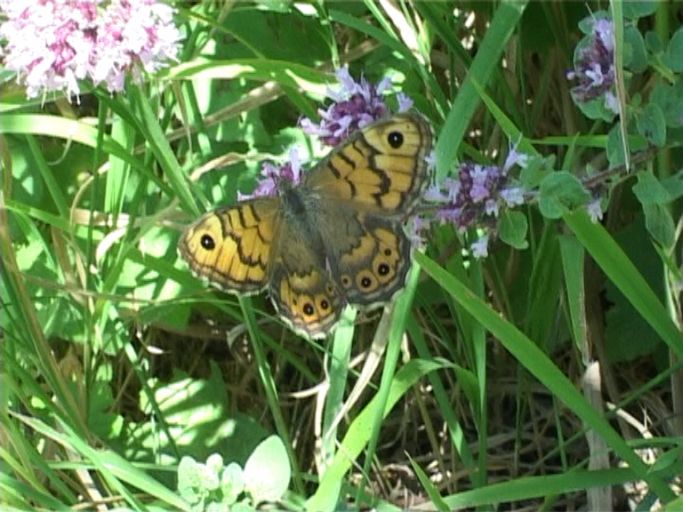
<point>231,247</point>
<point>301,287</point>
<point>369,254</point>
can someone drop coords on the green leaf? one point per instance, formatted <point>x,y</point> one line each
<point>559,193</point>
<point>674,52</point>
<point>615,147</point>
<point>639,9</point>
<point>594,109</point>
<point>513,229</point>
<point>635,57</point>
<point>653,42</point>
<point>189,480</point>
<point>670,101</point>
<point>587,24</point>
<point>649,190</point>
<point>232,483</point>
<point>651,124</point>
<point>674,185</point>
<point>536,169</point>
<point>627,334</point>
<point>267,471</point>
<point>660,224</point>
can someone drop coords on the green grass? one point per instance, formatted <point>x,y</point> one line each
<point>468,392</point>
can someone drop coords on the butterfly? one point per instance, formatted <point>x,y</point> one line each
<point>336,238</point>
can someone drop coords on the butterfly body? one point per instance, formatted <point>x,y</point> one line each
<point>334,239</point>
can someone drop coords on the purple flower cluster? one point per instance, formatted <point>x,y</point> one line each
<point>475,195</point>
<point>354,105</point>
<point>474,198</point>
<point>594,66</point>
<point>51,44</point>
<point>273,175</point>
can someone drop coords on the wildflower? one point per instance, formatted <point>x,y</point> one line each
<point>474,198</point>
<point>405,103</point>
<point>594,63</point>
<point>474,195</point>
<point>515,158</point>
<point>611,102</point>
<point>512,196</point>
<point>480,248</point>
<point>273,176</point>
<point>416,229</point>
<point>491,208</point>
<point>52,44</point>
<point>594,210</point>
<point>355,105</point>
<point>430,159</point>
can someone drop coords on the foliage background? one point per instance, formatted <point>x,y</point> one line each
<point>543,377</point>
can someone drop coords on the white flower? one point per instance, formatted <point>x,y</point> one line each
<point>611,102</point>
<point>513,196</point>
<point>594,210</point>
<point>480,248</point>
<point>515,158</point>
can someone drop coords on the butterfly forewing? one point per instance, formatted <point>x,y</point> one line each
<point>380,169</point>
<point>231,247</point>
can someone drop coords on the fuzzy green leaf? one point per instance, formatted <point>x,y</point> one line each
<point>561,192</point>
<point>513,229</point>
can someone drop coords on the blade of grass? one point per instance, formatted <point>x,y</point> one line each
<point>358,434</point>
<point>534,360</point>
<point>340,358</point>
<point>526,488</point>
<point>69,129</point>
<point>442,397</point>
<point>619,269</point>
<point>270,388</point>
<point>504,21</point>
<point>399,317</point>
<point>159,145</point>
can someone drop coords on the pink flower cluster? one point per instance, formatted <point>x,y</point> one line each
<point>474,199</point>
<point>275,176</point>
<point>52,44</point>
<point>594,66</point>
<point>354,105</point>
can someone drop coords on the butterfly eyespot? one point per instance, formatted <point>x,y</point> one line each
<point>395,139</point>
<point>387,252</point>
<point>365,282</point>
<point>383,269</point>
<point>308,309</point>
<point>346,281</point>
<point>324,304</point>
<point>208,242</point>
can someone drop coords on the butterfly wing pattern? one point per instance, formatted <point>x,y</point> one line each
<point>380,169</point>
<point>335,239</point>
<point>231,247</point>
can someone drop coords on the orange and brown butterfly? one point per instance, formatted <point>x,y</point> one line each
<point>334,239</point>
